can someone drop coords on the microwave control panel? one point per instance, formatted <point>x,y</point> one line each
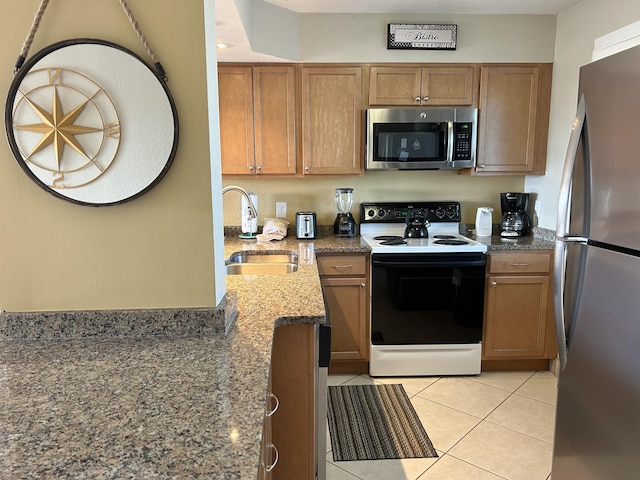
<point>462,134</point>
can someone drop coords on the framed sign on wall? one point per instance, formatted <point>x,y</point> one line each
<point>403,36</point>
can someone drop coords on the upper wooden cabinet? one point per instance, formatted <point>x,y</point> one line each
<point>513,119</point>
<point>331,126</point>
<point>427,85</point>
<point>257,120</point>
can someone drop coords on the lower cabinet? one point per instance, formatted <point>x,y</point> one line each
<point>345,285</point>
<point>519,322</point>
<point>292,424</point>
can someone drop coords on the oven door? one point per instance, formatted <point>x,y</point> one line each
<point>427,299</point>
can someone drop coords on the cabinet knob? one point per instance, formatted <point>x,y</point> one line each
<point>494,283</point>
<point>250,168</point>
<point>481,165</point>
<point>362,285</point>
<point>307,168</point>
<point>426,98</point>
<point>259,167</point>
<point>417,99</point>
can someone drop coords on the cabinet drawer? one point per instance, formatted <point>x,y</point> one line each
<point>522,262</point>
<point>335,265</point>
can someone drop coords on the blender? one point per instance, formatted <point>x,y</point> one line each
<point>344,225</point>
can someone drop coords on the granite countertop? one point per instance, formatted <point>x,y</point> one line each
<point>158,405</point>
<point>155,406</point>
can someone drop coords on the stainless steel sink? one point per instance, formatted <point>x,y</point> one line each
<point>252,263</point>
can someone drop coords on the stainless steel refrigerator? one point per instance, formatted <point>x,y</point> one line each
<point>597,279</point>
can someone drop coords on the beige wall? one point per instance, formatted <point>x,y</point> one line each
<point>577,29</point>
<point>153,252</point>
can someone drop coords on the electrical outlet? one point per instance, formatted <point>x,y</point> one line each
<point>281,209</point>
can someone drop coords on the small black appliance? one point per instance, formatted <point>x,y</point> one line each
<point>417,224</point>
<point>345,225</point>
<point>516,221</point>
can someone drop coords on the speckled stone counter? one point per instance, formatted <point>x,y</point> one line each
<point>160,405</point>
<point>540,239</point>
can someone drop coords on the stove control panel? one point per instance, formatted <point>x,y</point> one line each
<point>397,212</point>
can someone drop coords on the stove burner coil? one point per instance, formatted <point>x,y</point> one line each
<point>452,241</point>
<point>445,237</point>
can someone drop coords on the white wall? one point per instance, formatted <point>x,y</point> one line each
<point>481,38</point>
<point>577,28</point>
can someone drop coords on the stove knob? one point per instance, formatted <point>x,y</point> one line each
<point>451,212</point>
<point>382,213</point>
<point>371,213</point>
<point>440,212</point>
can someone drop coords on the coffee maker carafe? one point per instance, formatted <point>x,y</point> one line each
<point>344,225</point>
<point>516,221</point>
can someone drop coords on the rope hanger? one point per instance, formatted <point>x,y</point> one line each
<point>36,24</point>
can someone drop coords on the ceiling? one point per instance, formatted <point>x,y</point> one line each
<point>230,31</point>
<point>539,7</point>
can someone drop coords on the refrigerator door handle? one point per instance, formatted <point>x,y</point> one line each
<point>562,230</point>
<point>559,262</point>
<point>564,199</point>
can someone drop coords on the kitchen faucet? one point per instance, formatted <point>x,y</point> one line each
<point>252,209</point>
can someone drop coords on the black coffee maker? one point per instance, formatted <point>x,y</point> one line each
<point>516,221</point>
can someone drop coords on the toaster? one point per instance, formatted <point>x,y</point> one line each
<point>305,225</point>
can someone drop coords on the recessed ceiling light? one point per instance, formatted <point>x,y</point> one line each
<point>223,45</point>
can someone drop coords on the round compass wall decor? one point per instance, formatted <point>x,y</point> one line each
<point>90,122</point>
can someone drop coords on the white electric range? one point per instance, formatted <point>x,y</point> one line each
<point>427,292</point>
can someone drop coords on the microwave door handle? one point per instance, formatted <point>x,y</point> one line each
<point>450,142</point>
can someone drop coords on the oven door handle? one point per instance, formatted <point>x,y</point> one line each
<point>435,263</point>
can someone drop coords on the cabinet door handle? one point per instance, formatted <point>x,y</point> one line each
<point>417,99</point>
<point>343,266</point>
<point>493,283</point>
<point>306,169</point>
<point>273,410</point>
<point>363,285</point>
<point>481,165</point>
<point>275,460</point>
<point>259,167</point>
<point>426,98</point>
<point>250,168</point>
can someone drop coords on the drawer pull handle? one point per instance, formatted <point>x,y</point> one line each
<point>343,266</point>
<point>520,264</point>
<point>275,460</point>
<point>494,283</point>
<point>273,410</point>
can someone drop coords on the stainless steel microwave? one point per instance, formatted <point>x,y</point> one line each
<point>421,138</point>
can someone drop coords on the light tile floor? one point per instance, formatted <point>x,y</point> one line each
<point>497,425</point>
